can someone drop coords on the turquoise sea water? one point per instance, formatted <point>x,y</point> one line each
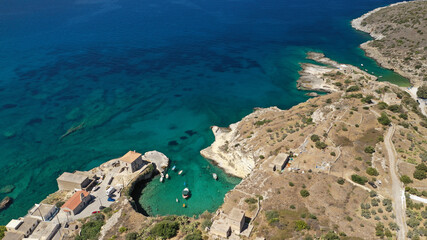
<point>144,75</point>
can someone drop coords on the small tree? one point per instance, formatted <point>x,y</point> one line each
<point>304,193</point>
<point>405,179</point>
<point>372,171</point>
<point>369,149</point>
<point>315,138</point>
<point>384,120</point>
<point>340,181</point>
<point>321,145</point>
<point>419,174</point>
<point>422,92</point>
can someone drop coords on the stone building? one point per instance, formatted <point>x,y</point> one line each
<point>77,202</point>
<point>70,181</point>
<point>131,162</point>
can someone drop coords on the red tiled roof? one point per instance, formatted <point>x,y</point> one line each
<point>74,200</point>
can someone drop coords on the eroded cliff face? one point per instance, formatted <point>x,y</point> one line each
<point>234,149</point>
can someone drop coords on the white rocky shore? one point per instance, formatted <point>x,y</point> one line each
<point>229,150</point>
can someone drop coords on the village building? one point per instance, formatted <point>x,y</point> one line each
<point>77,202</point>
<point>279,162</point>
<point>221,228</point>
<point>229,225</point>
<point>131,162</point>
<point>236,219</point>
<point>45,231</point>
<point>44,212</point>
<point>24,226</point>
<point>13,236</point>
<point>71,181</point>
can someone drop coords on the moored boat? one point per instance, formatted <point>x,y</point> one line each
<point>214,176</point>
<point>167,176</point>
<point>180,172</point>
<point>173,168</point>
<point>186,193</point>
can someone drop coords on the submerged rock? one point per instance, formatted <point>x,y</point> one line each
<point>312,94</point>
<point>7,189</point>
<point>5,203</point>
<point>9,133</point>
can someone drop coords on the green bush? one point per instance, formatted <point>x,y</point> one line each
<point>315,138</point>
<point>321,145</point>
<point>291,184</point>
<point>331,236</point>
<point>165,229</point>
<point>250,200</point>
<point>304,193</point>
<point>421,167</point>
<point>405,179</point>
<point>382,105</point>
<point>422,92</point>
<point>58,204</point>
<point>403,116</point>
<point>300,225</point>
<point>359,179</point>
<point>372,171</point>
<point>341,181</point>
<point>352,89</point>
<point>90,230</point>
<point>394,108</point>
<point>197,235</point>
<point>2,231</point>
<point>132,236</point>
<point>272,216</point>
<point>384,120</point>
<point>369,149</point>
<point>123,229</point>
<point>419,174</point>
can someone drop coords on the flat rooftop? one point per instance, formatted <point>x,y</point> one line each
<point>236,214</point>
<point>27,224</point>
<point>13,236</point>
<point>14,223</point>
<point>44,229</point>
<point>130,157</point>
<point>72,177</point>
<point>280,159</point>
<point>43,208</point>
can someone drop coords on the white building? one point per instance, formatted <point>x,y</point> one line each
<point>44,212</point>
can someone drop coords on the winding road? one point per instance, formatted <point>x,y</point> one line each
<point>398,192</point>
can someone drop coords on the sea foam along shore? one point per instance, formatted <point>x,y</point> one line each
<point>373,52</point>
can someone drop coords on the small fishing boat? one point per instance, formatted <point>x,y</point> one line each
<point>161,179</point>
<point>177,200</point>
<point>214,176</point>
<point>173,168</point>
<point>186,193</point>
<point>167,176</point>
<point>184,206</point>
<point>180,172</point>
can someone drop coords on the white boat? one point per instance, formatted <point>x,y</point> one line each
<point>173,168</point>
<point>186,193</point>
<point>161,179</point>
<point>214,176</point>
<point>180,172</point>
<point>167,176</point>
<point>177,200</point>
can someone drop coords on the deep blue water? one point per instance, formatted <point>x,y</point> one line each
<point>139,74</point>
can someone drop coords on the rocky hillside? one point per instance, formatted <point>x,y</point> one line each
<point>359,133</point>
<point>400,38</point>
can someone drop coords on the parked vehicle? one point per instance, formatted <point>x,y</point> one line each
<point>111,199</point>
<point>110,191</point>
<point>94,212</point>
<point>95,188</point>
<point>372,184</point>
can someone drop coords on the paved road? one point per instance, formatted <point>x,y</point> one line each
<point>398,193</point>
<point>419,199</point>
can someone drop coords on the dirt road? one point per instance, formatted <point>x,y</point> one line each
<point>398,193</point>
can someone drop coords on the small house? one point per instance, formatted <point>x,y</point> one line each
<point>26,227</point>
<point>77,202</point>
<point>44,212</point>
<point>220,228</point>
<point>280,162</point>
<point>236,219</point>
<point>131,161</point>
<point>45,231</point>
<point>70,181</point>
<point>13,236</point>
